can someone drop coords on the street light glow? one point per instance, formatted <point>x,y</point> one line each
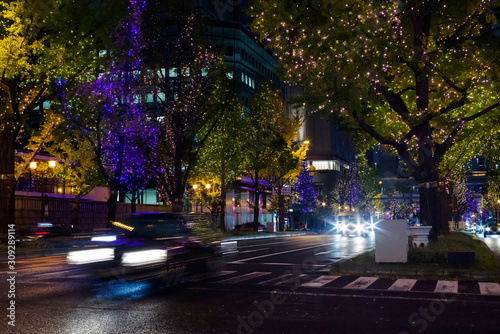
<point>52,164</point>
<point>33,165</point>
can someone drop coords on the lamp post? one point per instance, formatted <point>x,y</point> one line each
<point>45,204</point>
<point>195,186</point>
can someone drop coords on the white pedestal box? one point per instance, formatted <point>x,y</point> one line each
<point>391,241</point>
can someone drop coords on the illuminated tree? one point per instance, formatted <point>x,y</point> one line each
<point>347,189</point>
<point>191,92</point>
<point>491,196</point>
<point>286,164</point>
<point>75,158</point>
<point>41,41</point>
<point>220,159</point>
<point>369,186</point>
<point>412,75</point>
<point>306,201</point>
<point>263,129</point>
<point>107,110</point>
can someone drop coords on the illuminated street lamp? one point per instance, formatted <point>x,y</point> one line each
<point>45,204</point>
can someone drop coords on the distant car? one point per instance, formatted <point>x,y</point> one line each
<point>48,230</point>
<point>491,227</point>
<point>249,226</point>
<point>350,223</point>
<point>158,246</point>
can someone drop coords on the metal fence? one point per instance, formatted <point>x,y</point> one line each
<point>92,215</point>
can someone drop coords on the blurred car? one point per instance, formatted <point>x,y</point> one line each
<point>48,230</point>
<point>491,227</point>
<point>350,223</point>
<point>159,246</point>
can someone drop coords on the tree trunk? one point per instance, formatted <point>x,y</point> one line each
<point>133,207</point>
<point>256,203</point>
<point>429,208</point>
<point>7,184</point>
<point>223,209</point>
<point>281,209</point>
<point>76,213</point>
<point>112,206</point>
<point>443,211</point>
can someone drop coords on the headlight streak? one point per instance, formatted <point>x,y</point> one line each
<point>139,258</point>
<point>91,255</point>
<point>104,238</point>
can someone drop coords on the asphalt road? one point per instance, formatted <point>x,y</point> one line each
<point>276,285</point>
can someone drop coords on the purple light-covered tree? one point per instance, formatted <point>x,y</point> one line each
<point>107,110</point>
<point>306,201</point>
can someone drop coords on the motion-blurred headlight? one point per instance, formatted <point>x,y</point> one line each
<point>91,255</point>
<point>139,258</point>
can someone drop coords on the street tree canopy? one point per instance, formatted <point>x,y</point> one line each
<point>42,41</point>
<point>408,74</point>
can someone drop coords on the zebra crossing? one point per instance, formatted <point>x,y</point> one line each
<point>357,283</point>
<point>268,278</point>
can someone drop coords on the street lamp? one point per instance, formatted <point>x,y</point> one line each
<point>45,204</point>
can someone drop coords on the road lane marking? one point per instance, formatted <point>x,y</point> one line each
<point>402,285</point>
<point>330,251</point>
<point>253,250</point>
<point>447,287</point>
<point>279,253</point>
<point>361,283</point>
<point>488,288</point>
<point>320,281</point>
<point>223,273</point>
<point>244,277</point>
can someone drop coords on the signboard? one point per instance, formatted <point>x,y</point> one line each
<point>287,191</point>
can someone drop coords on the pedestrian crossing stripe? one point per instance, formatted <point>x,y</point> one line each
<point>320,281</point>
<point>244,277</point>
<point>360,283</point>
<point>446,287</point>
<point>402,285</point>
<point>487,288</point>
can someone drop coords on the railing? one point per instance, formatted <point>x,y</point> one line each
<point>92,215</point>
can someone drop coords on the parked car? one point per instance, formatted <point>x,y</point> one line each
<point>491,227</point>
<point>159,246</point>
<point>249,227</point>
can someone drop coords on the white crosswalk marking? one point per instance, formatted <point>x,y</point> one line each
<point>488,288</point>
<point>403,285</point>
<point>446,287</point>
<point>223,273</point>
<point>361,283</point>
<point>244,277</point>
<point>320,281</point>
<point>295,279</point>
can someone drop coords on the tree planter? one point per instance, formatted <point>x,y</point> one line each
<point>420,235</point>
